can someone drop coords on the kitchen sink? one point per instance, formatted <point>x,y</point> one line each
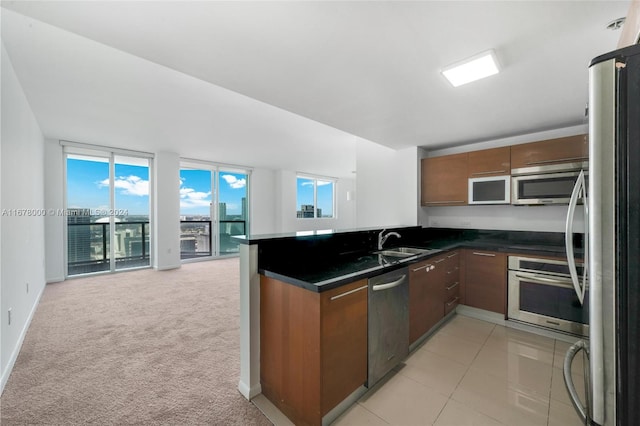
<point>404,251</point>
<point>394,253</point>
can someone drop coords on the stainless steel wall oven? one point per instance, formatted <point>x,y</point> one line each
<point>541,293</point>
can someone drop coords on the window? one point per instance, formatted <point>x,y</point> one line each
<point>213,208</point>
<point>315,197</point>
<point>108,206</point>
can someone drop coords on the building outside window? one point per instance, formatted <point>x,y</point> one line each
<point>315,197</point>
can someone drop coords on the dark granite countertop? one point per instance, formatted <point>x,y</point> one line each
<point>328,275</point>
<point>325,273</point>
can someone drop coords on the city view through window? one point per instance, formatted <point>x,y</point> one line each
<point>199,235</point>
<point>102,236</point>
<point>315,198</point>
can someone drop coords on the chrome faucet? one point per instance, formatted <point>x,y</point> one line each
<point>383,238</point>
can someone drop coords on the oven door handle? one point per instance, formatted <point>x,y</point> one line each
<point>545,280</point>
<point>578,192</point>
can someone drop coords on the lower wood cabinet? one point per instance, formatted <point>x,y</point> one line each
<point>433,292</point>
<point>486,280</point>
<point>313,347</point>
<point>451,281</point>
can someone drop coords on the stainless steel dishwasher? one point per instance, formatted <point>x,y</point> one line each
<point>388,322</point>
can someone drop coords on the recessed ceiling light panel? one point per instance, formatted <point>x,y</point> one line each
<point>479,66</point>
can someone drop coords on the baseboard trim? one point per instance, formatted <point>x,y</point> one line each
<point>55,280</point>
<point>167,267</point>
<point>16,351</point>
<point>249,392</point>
<point>481,314</point>
<point>337,411</point>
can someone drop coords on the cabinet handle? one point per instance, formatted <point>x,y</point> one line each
<point>488,173</point>
<point>417,269</point>
<point>484,254</point>
<point>444,202</point>
<point>346,293</point>
<point>453,301</point>
<point>439,260</point>
<point>558,160</point>
<point>452,255</point>
<point>452,286</point>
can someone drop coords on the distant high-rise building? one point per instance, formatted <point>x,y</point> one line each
<point>306,210</point>
<point>78,235</point>
<point>244,209</point>
<point>222,211</point>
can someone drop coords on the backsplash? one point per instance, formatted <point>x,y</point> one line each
<point>503,217</point>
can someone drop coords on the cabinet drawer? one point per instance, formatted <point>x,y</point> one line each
<point>452,290</point>
<point>451,304</point>
<point>451,268</point>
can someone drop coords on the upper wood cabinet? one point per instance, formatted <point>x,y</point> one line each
<point>490,162</point>
<point>444,180</point>
<point>569,149</point>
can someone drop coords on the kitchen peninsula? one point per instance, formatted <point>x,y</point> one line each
<point>291,278</point>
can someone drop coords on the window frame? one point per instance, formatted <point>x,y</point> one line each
<point>315,179</point>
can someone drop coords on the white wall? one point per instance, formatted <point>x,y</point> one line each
<point>386,185</point>
<point>286,206</point>
<point>262,204</point>
<point>22,243</point>
<point>166,210</point>
<point>54,224</point>
<point>521,218</point>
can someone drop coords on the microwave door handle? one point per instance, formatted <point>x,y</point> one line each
<point>581,409</point>
<point>568,236</point>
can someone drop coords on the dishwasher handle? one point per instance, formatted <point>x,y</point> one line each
<point>389,285</point>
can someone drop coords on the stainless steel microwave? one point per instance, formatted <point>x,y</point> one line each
<point>490,190</point>
<point>548,186</point>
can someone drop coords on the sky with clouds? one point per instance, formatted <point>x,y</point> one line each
<point>88,187</point>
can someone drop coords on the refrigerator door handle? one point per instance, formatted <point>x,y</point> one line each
<point>580,408</point>
<point>578,190</point>
<point>585,205</point>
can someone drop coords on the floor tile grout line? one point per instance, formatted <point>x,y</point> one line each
<point>374,414</point>
<point>450,398</point>
<point>555,344</point>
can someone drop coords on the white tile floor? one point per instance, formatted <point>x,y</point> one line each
<point>473,372</point>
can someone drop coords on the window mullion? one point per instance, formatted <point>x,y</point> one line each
<point>315,198</point>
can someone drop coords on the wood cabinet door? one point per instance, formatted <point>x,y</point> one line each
<point>343,342</point>
<point>290,372</point>
<point>444,180</point>
<point>569,149</point>
<point>490,162</point>
<point>486,280</point>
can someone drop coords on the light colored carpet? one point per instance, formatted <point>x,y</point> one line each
<point>142,347</point>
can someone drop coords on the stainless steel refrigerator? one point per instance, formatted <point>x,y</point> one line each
<point>612,203</point>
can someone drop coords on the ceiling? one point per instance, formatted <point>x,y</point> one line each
<point>294,84</point>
